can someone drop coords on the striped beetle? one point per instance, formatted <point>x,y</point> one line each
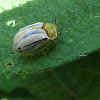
<point>34,38</point>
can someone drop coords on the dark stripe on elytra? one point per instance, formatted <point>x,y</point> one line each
<point>35,42</point>
<point>27,36</point>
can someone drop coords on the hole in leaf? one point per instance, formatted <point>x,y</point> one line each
<point>9,64</point>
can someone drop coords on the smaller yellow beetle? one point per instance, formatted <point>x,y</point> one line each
<point>34,38</point>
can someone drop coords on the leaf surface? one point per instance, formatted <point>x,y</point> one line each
<point>77,20</point>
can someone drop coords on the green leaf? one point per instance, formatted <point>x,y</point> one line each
<point>77,20</point>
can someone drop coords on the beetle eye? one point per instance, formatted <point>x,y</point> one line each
<point>19,48</point>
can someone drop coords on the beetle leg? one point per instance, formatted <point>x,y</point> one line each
<point>59,33</point>
<point>43,52</point>
<point>54,41</point>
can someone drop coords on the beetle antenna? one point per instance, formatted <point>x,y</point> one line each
<point>55,20</point>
